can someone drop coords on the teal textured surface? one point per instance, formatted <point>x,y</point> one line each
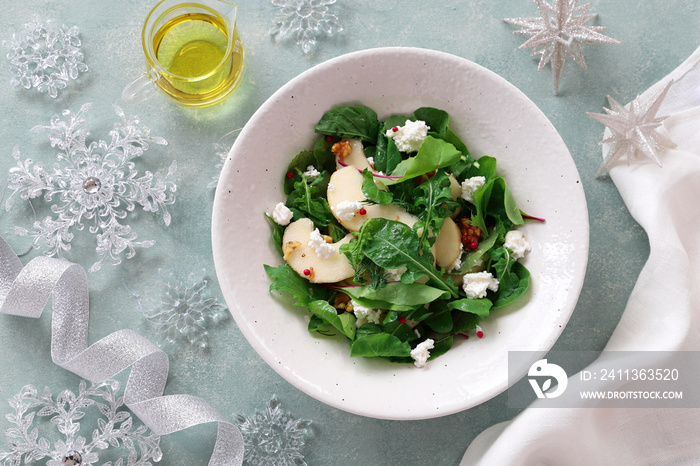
<point>655,38</point>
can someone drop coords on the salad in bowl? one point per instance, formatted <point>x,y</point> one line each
<point>393,236</point>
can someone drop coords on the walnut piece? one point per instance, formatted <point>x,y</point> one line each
<point>341,149</point>
<point>289,247</point>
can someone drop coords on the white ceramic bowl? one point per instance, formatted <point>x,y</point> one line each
<point>493,118</point>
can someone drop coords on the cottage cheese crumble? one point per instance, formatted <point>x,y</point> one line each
<point>476,284</point>
<point>318,243</point>
<point>410,136</point>
<point>470,185</point>
<point>311,173</point>
<point>421,353</point>
<point>365,314</point>
<point>346,210</point>
<point>281,214</point>
<point>516,242</point>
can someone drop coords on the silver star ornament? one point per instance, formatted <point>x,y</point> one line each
<point>634,129</point>
<point>558,33</point>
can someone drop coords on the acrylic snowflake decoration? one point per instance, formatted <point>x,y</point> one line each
<point>304,21</point>
<point>558,33</point>
<point>64,446</point>
<point>273,436</point>
<point>180,309</point>
<point>95,183</point>
<point>634,129</point>
<point>46,57</point>
<point>221,150</point>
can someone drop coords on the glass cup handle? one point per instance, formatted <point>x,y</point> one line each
<point>140,89</point>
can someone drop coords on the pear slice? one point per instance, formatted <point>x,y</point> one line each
<point>455,187</point>
<point>448,244</point>
<point>346,185</point>
<point>301,257</point>
<point>357,157</point>
<point>456,193</point>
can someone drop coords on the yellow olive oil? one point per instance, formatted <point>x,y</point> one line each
<point>201,62</point>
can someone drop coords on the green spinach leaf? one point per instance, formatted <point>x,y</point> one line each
<point>434,153</point>
<point>513,277</point>
<point>344,322</point>
<point>372,192</point>
<point>480,307</point>
<point>379,345</point>
<point>395,294</point>
<point>436,119</point>
<point>350,122</point>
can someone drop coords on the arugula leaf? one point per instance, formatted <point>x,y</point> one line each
<point>379,345</point>
<point>285,279</point>
<point>433,203</point>
<point>320,158</point>
<point>395,294</point>
<point>350,122</point>
<point>434,153</point>
<point>369,273</point>
<point>391,244</point>
<point>372,191</point>
<point>306,200</point>
<point>344,322</point>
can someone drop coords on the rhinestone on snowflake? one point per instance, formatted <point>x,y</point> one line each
<point>180,309</point>
<point>558,33</point>
<point>45,57</point>
<point>33,439</point>
<point>95,183</point>
<point>274,436</point>
<point>304,21</point>
<point>634,129</point>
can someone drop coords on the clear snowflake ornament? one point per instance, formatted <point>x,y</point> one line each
<point>273,436</point>
<point>634,130</point>
<point>45,57</point>
<point>95,183</point>
<point>59,439</point>
<point>558,33</point>
<point>180,309</point>
<point>221,149</point>
<point>304,21</point>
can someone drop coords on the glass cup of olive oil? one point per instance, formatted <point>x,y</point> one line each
<point>194,54</point>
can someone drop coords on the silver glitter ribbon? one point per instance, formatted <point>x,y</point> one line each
<point>24,291</point>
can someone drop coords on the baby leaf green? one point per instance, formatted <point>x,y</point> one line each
<point>287,280</point>
<point>391,244</point>
<point>380,345</point>
<point>434,153</point>
<point>344,322</point>
<point>350,122</point>
<point>372,191</point>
